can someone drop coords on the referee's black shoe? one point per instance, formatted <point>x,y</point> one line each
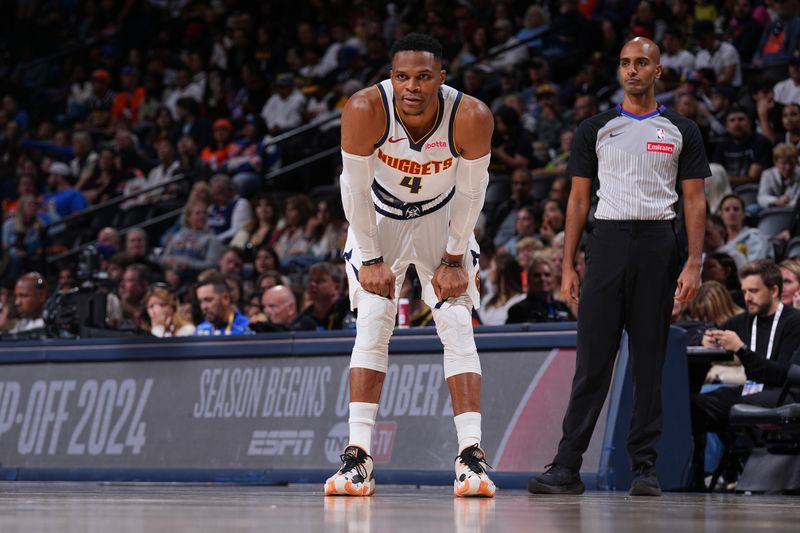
<point>645,483</point>
<point>558,479</point>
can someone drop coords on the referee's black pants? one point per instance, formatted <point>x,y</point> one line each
<point>631,271</point>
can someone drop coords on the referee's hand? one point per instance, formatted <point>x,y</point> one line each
<point>688,283</point>
<point>570,284</point>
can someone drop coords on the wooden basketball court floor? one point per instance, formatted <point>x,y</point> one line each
<point>132,508</point>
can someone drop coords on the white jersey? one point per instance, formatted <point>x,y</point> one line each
<point>417,170</point>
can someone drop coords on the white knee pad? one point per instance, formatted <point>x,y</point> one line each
<point>374,326</point>
<point>454,326</point>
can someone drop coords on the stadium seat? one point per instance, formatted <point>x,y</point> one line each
<point>792,248</point>
<point>773,220</point>
<point>775,467</point>
<point>748,192</point>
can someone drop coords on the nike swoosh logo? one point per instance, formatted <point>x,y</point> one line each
<point>396,140</point>
<point>616,134</point>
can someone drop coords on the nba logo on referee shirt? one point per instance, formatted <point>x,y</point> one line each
<point>661,146</point>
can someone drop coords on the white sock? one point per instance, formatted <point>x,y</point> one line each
<point>468,429</point>
<point>362,420</point>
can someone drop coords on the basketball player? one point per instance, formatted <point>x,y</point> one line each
<point>415,154</point>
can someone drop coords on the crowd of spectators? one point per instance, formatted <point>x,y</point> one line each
<point>181,132</point>
<point>179,156</point>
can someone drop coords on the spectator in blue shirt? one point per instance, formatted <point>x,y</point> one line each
<point>62,199</point>
<point>221,315</point>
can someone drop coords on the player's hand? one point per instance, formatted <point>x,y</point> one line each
<point>378,279</point>
<point>688,283</point>
<point>570,284</point>
<point>449,282</point>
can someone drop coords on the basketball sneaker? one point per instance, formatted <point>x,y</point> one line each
<point>471,478</point>
<point>354,478</point>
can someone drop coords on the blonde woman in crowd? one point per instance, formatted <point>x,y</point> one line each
<point>166,320</point>
<point>790,271</point>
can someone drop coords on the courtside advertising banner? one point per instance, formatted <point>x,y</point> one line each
<point>281,413</point>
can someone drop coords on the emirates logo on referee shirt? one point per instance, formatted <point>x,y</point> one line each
<point>661,146</point>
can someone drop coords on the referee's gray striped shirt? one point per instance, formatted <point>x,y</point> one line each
<point>637,161</point>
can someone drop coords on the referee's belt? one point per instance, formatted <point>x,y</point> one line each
<point>390,206</point>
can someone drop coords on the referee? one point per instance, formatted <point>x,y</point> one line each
<point>637,151</point>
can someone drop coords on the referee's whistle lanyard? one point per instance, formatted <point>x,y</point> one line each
<point>772,330</point>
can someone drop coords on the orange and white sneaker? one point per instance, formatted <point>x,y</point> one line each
<point>471,477</point>
<point>354,478</point>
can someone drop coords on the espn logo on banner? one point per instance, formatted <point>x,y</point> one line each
<point>663,148</point>
<point>281,442</point>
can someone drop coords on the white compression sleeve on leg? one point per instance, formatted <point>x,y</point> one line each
<point>468,429</point>
<point>454,326</point>
<point>361,421</point>
<point>374,326</point>
<point>472,177</point>
<point>355,183</point>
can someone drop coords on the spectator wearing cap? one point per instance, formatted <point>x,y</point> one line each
<point>229,211</point>
<point>788,91</point>
<point>99,104</point>
<point>673,53</point>
<point>508,51</point>
<point>128,101</point>
<point>718,55</point>
<point>61,199</point>
<point>780,184</point>
<point>217,154</point>
<point>743,153</point>
<point>538,74</point>
<point>780,37</point>
<point>284,109</point>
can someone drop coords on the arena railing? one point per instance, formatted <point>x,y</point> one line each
<point>73,220</point>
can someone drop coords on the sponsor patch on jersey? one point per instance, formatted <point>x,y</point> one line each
<point>435,144</point>
<point>663,148</point>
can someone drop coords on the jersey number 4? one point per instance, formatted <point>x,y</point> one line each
<point>414,183</point>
